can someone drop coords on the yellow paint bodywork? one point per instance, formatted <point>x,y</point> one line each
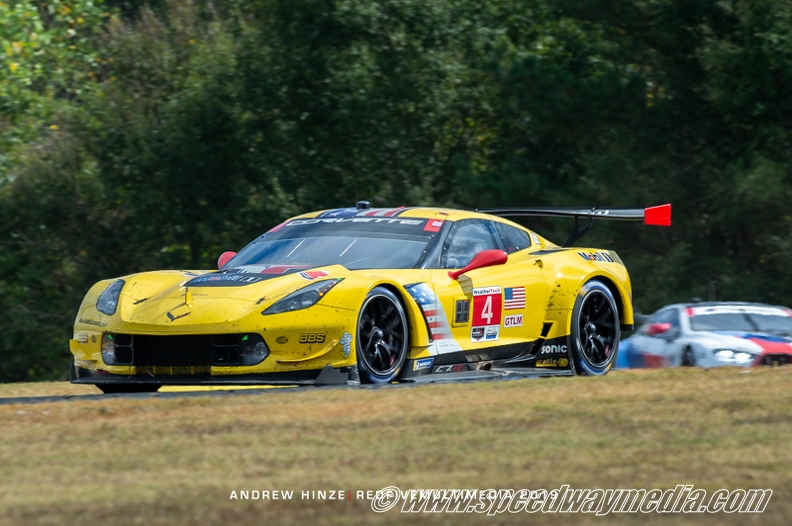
<point>157,303</point>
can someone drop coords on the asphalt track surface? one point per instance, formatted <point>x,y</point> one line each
<point>233,391</point>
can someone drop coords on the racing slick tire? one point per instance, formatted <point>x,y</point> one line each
<point>594,333</point>
<point>382,337</point>
<point>128,388</point>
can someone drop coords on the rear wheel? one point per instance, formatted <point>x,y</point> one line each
<point>594,333</point>
<point>128,388</point>
<point>382,337</point>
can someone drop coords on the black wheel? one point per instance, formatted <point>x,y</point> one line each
<point>594,334</point>
<point>688,358</point>
<point>128,388</point>
<point>382,337</point>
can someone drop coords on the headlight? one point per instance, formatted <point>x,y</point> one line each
<point>303,298</point>
<point>736,357</point>
<point>108,300</point>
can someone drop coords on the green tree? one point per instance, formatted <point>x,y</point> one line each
<point>48,56</point>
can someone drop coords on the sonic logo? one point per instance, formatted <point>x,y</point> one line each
<point>554,349</point>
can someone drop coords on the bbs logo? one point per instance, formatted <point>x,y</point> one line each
<point>312,337</point>
<point>554,349</point>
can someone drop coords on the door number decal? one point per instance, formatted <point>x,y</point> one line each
<point>487,308</point>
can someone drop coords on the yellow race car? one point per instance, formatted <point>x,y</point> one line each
<point>367,295</point>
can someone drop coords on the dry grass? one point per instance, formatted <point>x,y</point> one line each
<point>153,460</point>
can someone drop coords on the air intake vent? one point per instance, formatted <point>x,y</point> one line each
<point>190,351</point>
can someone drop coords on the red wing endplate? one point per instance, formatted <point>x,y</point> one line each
<point>658,215</point>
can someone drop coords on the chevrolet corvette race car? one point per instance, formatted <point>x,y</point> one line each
<point>366,295</point>
<point>714,334</point>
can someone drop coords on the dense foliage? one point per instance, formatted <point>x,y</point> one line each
<point>134,138</point>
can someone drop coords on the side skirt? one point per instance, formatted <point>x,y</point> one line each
<point>540,358</point>
<point>510,373</point>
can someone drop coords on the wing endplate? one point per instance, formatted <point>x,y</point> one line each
<point>658,215</point>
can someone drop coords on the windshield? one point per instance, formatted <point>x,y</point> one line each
<point>741,318</point>
<point>355,243</point>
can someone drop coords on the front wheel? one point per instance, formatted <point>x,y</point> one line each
<point>594,332</point>
<point>382,337</point>
<point>688,358</point>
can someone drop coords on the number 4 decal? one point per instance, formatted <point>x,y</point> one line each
<point>487,304</point>
<point>487,312</point>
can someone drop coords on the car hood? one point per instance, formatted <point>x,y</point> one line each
<point>173,298</point>
<point>752,342</point>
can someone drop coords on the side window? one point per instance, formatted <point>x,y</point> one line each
<point>668,317</point>
<point>465,240</point>
<point>513,238</point>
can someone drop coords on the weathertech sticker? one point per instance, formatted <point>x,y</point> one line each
<point>486,291</point>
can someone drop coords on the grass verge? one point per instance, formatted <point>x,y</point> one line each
<point>154,461</point>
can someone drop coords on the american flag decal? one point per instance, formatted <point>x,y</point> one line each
<point>514,298</point>
<point>432,309</point>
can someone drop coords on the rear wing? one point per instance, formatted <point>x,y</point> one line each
<point>654,215</point>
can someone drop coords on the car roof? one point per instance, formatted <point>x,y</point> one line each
<point>693,304</point>
<point>450,214</point>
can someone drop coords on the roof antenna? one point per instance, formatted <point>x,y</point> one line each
<point>362,205</point>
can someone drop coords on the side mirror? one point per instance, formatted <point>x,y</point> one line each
<point>485,258</point>
<point>656,329</point>
<point>224,258</point>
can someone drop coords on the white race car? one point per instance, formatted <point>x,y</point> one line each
<point>712,335</point>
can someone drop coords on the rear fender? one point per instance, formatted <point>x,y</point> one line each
<point>568,283</point>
